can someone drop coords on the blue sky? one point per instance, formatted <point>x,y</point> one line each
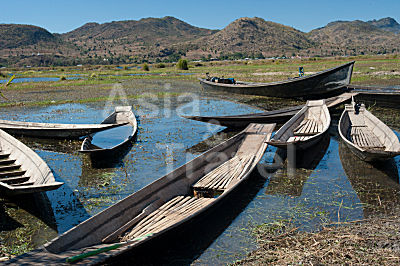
<point>62,16</point>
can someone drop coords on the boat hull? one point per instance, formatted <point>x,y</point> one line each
<point>300,145</point>
<point>277,116</point>
<point>50,130</point>
<point>30,173</point>
<point>122,114</point>
<point>380,131</point>
<point>311,86</point>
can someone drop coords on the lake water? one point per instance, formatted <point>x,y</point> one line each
<point>333,186</point>
<point>38,79</point>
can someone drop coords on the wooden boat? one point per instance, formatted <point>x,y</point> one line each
<point>277,116</point>
<point>305,128</point>
<point>367,136</point>
<point>320,83</point>
<point>169,202</point>
<point>121,115</point>
<point>53,130</point>
<point>21,169</point>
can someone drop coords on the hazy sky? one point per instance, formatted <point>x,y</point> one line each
<point>62,16</point>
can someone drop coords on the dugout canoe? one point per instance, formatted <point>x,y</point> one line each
<point>22,171</point>
<point>367,136</point>
<point>309,86</point>
<point>276,116</point>
<point>53,130</point>
<point>121,115</point>
<point>305,128</point>
<point>169,202</point>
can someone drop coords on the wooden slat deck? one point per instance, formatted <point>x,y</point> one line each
<point>308,127</point>
<point>168,214</point>
<point>225,175</point>
<point>11,173</point>
<point>363,137</point>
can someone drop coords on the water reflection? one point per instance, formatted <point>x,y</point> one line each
<point>287,181</point>
<point>377,185</point>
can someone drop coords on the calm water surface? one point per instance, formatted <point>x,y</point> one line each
<point>333,186</point>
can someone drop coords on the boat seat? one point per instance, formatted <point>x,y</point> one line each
<point>298,138</point>
<point>12,173</point>
<point>363,137</point>
<point>14,180</point>
<point>308,127</point>
<point>223,176</point>
<point>171,212</point>
<point>4,155</point>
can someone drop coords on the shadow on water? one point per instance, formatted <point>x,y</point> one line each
<point>377,185</point>
<point>38,205</point>
<point>184,245</point>
<point>7,223</point>
<point>26,221</point>
<point>290,180</point>
<point>211,141</point>
<point>53,145</point>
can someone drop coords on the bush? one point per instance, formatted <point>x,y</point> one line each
<point>160,65</point>
<point>145,67</point>
<point>182,64</point>
<point>63,78</point>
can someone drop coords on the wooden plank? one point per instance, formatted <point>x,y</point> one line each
<point>148,219</point>
<point>146,211</point>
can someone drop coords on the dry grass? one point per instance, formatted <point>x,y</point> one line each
<point>375,241</point>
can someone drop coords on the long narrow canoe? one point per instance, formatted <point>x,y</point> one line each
<point>53,130</point>
<point>21,169</point>
<point>277,116</point>
<point>320,83</point>
<point>305,128</point>
<point>168,203</point>
<point>367,136</point>
<point>121,115</point>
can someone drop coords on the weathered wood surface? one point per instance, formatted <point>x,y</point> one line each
<point>21,169</point>
<point>367,136</point>
<point>305,128</point>
<point>159,207</point>
<point>55,130</point>
<point>121,115</point>
<point>277,116</point>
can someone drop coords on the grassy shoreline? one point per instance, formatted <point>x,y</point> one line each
<point>370,241</point>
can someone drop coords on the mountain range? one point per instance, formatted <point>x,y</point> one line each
<point>168,39</point>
